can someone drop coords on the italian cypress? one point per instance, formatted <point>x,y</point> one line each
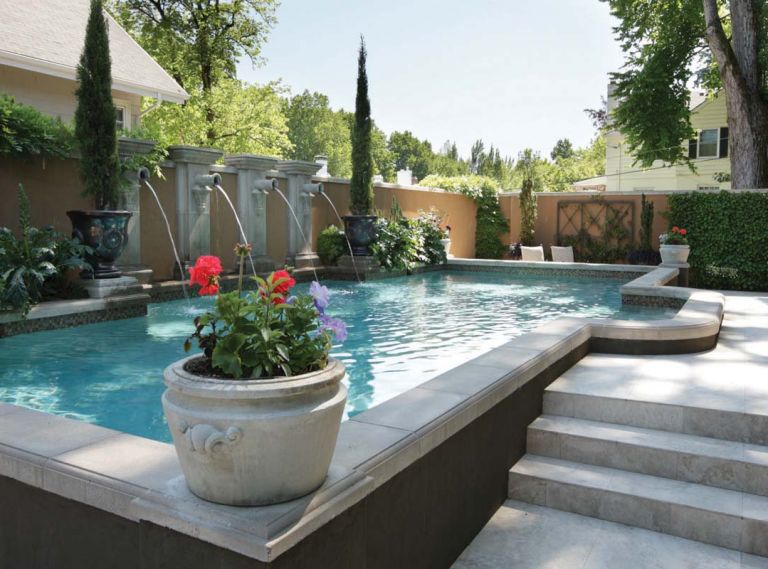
<point>95,127</point>
<point>361,185</point>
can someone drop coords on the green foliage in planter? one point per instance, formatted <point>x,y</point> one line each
<point>403,242</point>
<point>25,132</point>
<point>490,221</point>
<point>331,244</point>
<point>361,185</point>
<point>728,236</point>
<point>95,127</point>
<point>34,266</point>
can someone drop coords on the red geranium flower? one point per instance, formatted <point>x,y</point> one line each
<point>206,273</point>
<point>683,232</point>
<point>283,287</point>
<point>675,229</point>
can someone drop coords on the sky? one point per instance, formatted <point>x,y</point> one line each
<point>514,73</point>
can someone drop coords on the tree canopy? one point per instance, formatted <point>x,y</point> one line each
<point>671,45</point>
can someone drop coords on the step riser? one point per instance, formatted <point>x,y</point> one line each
<point>677,465</point>
<point>725,425</point>
<point>714,528</point>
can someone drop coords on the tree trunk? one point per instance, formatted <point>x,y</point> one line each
<point>740,74</point>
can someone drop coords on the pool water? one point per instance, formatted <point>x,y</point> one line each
<point>402,332</point>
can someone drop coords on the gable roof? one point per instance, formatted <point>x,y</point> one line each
<point>47,36</point>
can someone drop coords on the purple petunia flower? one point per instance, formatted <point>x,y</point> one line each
<point>335,325</point>
<point>320,295</point>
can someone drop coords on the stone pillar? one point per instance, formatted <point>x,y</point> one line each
<point>130,261</point>
<point>299,195</point>
<point>252,187</point>
<point>193,200</point>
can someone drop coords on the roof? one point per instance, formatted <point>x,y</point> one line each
<point>47,36</point>
<point>698,97</point>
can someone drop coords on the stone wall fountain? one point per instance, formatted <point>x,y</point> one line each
<point>298,196</point>
<point>252,189</point>
<point>193,213</point>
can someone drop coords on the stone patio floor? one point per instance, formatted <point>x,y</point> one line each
<point>732,377</point>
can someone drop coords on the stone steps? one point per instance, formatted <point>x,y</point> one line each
<point>687,458</point>
<point>716,418</point>
<point>711,515</point>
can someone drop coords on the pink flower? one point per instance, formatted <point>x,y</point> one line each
<point>206,273</point>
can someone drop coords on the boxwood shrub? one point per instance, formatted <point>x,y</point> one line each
<point>728,235</point>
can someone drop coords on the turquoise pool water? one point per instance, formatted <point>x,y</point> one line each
<point>402,332</point>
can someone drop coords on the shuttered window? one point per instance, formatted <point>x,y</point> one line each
<point>723,142</point>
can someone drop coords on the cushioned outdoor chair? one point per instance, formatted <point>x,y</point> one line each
<point>532,253</point>
<point>562,254</point>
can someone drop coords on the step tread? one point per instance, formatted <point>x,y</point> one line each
<point>664,440</point>
<point>693,381</point>
<point>717,500</point>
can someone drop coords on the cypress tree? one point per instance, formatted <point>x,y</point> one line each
<point>95,127</point>
<point>361,185</point>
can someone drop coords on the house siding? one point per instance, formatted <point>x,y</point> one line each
<point>622,175</point>
<point>54,96</point>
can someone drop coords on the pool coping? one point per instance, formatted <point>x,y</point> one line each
<point>140,479</point>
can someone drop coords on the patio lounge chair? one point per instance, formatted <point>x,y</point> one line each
<point>562,254</point>
<point>532,253</point>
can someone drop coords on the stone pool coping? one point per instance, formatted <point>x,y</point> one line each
<point>140,480</point>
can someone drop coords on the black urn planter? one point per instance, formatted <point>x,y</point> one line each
<point>106,232</point>
<point>361,232</point>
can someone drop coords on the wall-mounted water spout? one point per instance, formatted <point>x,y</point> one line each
<point>265,186</point>
<point>312,190</point>
<point>143,174</point>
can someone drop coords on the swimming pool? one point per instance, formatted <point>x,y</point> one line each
<point>402,332</point>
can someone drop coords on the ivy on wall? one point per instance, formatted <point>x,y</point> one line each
<point>728,235</point>
<point>490,221</point>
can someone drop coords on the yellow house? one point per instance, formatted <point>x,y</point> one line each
<point>708,153</point>
<point>40,46</point>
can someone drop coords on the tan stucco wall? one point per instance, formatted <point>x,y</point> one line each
<point>53,187</point>
<point>53,95</point>
<point>622,175</point>
<point>545,232</point>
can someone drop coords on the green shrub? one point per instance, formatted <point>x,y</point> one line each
<point>331,244</point>
<point>33,266</point>
<point>401,242</point>
<point>728,236</point>
<point>490,222</point>
<point>25,131</point>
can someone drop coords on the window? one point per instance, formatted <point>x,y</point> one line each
<point>120,117</point>
<point>708,140</point>
<point>707,187</point>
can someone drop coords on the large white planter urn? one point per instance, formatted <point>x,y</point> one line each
<point>254,442</point>
<point>676,254</point>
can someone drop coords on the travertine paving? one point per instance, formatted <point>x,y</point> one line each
<point>674,444</point>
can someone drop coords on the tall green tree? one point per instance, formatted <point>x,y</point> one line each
<point>200,42</point>
<point>95,127</point>
<point>314,128</point>
<point>563,149</point>
<point>667,44</point>
<point>410,152</point>
<point>361,185</point>
<point>527,165</point>
<point>249,119</point>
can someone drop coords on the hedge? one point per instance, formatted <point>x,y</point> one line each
<point>728,235</point>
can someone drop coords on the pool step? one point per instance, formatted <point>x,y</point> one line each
<point>688,458</point>
<point>719,418</point>
<point>694,511</point>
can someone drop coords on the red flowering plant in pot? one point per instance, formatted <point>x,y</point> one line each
<point>674,247</point>
<point>255,416</point>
